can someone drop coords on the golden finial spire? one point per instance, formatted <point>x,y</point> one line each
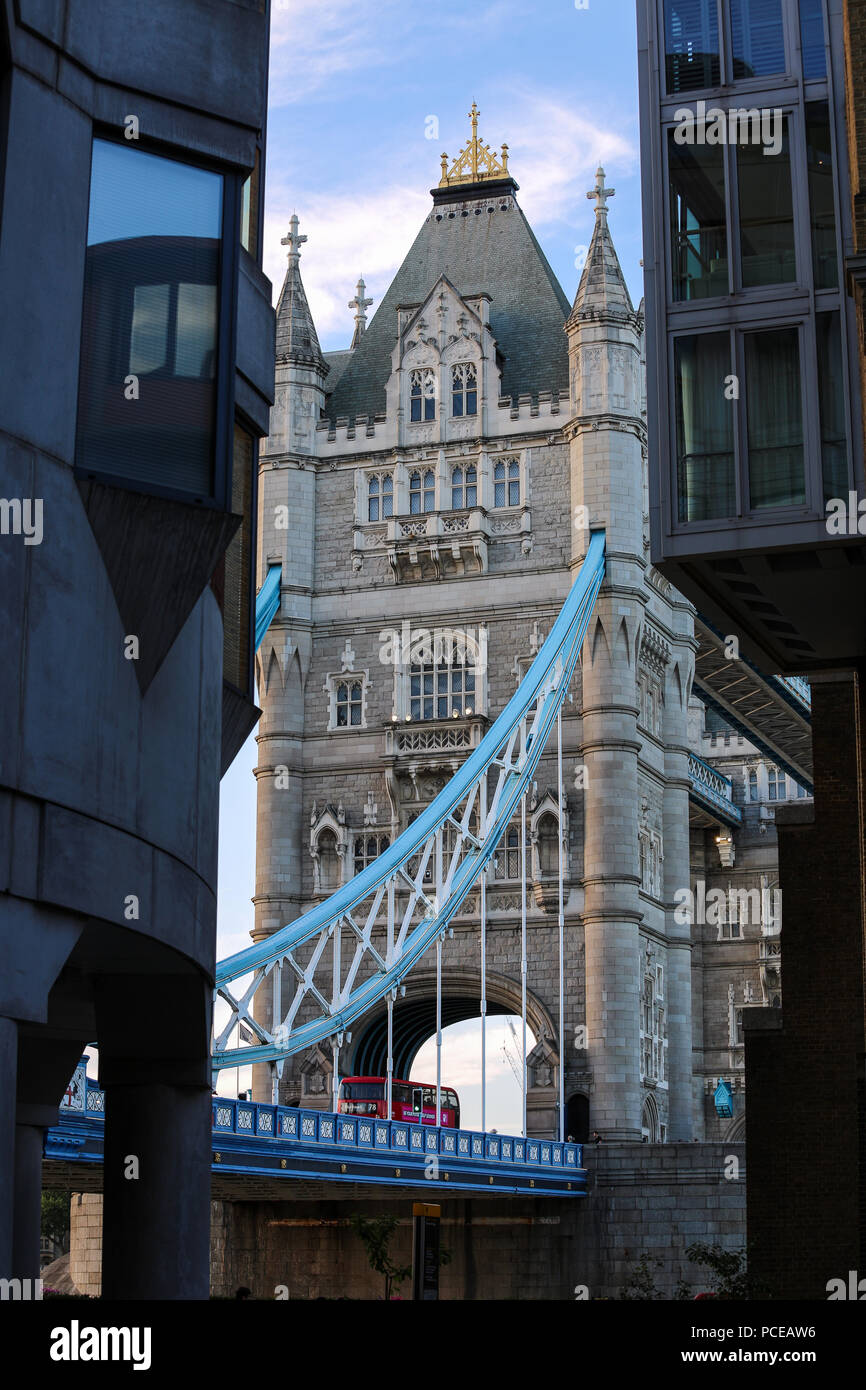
<point>476,162</point>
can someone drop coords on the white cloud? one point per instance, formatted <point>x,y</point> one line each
<point>350,234</point>
<point>554,149</point>
<point>316,41</point>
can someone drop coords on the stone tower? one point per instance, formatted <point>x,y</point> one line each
<point>287,519</point>
<point>435,474</point>
<point>635,677</point>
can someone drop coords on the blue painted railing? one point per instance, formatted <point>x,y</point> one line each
<point>713,788</point>
<point>280,1141</point>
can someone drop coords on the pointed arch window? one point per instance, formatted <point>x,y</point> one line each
<point>422,394</point>
<point>464,488</point>
<point>753,785</point>
<point>328,861</point>
<point>506,483</point>
<point>548,846</point>
<point>464,389</point>
<point>422,491</point>
<point>380,496</point>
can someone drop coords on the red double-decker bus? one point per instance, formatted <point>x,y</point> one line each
<point>410,1100</point>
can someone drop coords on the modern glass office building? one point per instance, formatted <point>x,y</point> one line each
<point>753,392</point>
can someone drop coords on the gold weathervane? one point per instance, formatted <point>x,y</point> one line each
<point>476,163</point>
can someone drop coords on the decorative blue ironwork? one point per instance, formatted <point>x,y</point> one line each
<point>281,1141</point>
<point>713,789</point>
<point>268,601</point>
<point>724,1100</point>
<point>389,897</point>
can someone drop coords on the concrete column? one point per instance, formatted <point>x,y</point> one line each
<point>156,1230</point>
<point>27,1226</point>
<point>8,1087</point>
<point>678,986</point>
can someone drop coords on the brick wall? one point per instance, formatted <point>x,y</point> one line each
<point>85,1242</point>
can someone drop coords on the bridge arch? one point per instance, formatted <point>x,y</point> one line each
<point>415,1018</point>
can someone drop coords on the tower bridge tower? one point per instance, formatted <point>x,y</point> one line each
<point>441,476</point>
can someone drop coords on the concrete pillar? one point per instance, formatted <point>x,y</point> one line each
<point>807,1201</point>
<point>156,1231</point>
<point>8,1086</point>
<point>27,1226</point>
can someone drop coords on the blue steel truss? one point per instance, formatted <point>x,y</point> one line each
<point>386,913</point>
<point>268,601</point>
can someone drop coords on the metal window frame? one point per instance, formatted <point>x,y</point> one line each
<point>220,497</point>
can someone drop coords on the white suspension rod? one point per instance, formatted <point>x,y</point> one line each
<point>523,941</point>
<point>483,908</point>
<point>561,931</point>
<point>438,1031</point>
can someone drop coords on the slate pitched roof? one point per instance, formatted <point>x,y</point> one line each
<point>480,251</point>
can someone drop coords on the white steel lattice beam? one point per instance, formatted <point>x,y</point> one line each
<point>506,757</point>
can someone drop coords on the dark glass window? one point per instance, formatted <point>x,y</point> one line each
<point>464,389</point>
<point>691,44</point>
<point>766,214</point>
<point>506,484</point>
<point>812,38</point>
<point>821,200</point>
<point>422,395</point>
<point>775,418</point>
<point>464,488</point>
<point>349,703</point>
<point>705,427</point>
<point>758,37</point>
<point>147,385</point>
<point>831,404</point>
<point>699,239</point>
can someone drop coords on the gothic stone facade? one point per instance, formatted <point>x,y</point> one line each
<point>429,494</point>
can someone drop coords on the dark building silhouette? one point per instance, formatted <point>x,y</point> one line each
<point>754,268</point>
<point>136,372</point>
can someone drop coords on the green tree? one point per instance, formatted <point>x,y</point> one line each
<point>375,1232</point>
<point>728,1270</point>
<point>55,1215</point>
<point>640,1284</point>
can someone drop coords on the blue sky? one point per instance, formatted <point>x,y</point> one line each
<point>353,87</point>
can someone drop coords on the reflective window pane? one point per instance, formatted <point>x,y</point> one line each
<point>147,386</point>
<point>831,402</point>
<point>775,418</point>
<point>691,44</point>
<point>821,201</point>
<point>758,37</point>
<point>766,214</point>
<point>812,38</point>
<point>705,427</point>
<point>699,239</point>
